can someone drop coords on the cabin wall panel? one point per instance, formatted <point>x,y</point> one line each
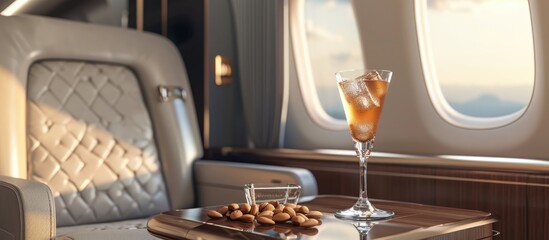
<point>337,183</point>
<point>225,121</point>
<point>538,207</point>
<point>400,183</point>
<point>186,29</point>
<point>502,194</point>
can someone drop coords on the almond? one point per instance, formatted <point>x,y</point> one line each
<point>254,209</point>
<point>274,203</point>
<point>223,210</point>
<point>281,217</point>
<point>314,214</point>
<point>247,218</point>
<point>297,220</point>
<point>309,223</point>
<point>269,207</point>
<point>290,205</point>
<point>302,215</point>
<point>265,220</point>
<point>245,208</point>
<point>290,211</point>
<point>303,209</point>
<point>236,214</point>
<point>266,214</point>
<point>233,206</point>
<point>277,211</point>
<point>262,206</point>
<point>214,214</point>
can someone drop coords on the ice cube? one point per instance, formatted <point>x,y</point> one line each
<point>362,131</point>
<point>370,76</point>
<point>370,89</point>
<point>363,91</point>
<point>368,95</point>
<point>364,127</point>
<point>373,75</point>
<point>362,101</point>
<point>373,99</point>
<point>350,88</point>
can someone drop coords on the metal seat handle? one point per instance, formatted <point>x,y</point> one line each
<point>170,93</point>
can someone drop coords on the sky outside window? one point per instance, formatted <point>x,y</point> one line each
<point>334,45</point>
<point>482,52</point>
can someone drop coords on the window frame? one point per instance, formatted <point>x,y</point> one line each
<point>439,102</point>
<point>304,70</point>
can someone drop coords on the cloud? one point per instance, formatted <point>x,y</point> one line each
<point>455,5</point>
<point>326,1</point>
<point>330,4</point>
<point>315,32</point>
<point>346,56</point>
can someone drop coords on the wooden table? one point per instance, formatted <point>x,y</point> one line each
<point>411,221</point>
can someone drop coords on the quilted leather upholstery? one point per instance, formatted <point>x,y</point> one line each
<point>91,141</point>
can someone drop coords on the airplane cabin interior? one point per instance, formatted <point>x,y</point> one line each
<point>248,119</point>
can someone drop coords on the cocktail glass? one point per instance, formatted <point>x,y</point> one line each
<point>362,93</point>
<point>363,228</point>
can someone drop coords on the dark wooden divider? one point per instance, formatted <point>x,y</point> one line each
<point>520,200</point>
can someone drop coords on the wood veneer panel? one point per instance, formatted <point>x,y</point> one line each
<point>502,194</point>
<point>399,183</point>
<point>339,183</point>
<point>538,207</point>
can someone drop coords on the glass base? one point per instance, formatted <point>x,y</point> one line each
<point>363,210</point>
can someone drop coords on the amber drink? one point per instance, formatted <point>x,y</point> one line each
<point>362,93</point>
<point>363,100</point>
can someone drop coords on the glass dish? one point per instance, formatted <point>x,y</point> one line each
<point>283,193</point>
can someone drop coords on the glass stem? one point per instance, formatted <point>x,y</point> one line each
<point>363,150</point>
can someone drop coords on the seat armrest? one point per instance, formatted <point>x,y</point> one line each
<point>27,210</point>
<point>221,182</point>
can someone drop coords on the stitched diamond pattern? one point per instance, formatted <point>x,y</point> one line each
<point>91,141</point>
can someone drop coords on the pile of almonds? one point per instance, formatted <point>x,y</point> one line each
<point>269,213</point>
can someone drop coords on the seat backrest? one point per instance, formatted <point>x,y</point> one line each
<point>81,110</point>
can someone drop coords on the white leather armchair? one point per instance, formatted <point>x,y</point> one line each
<point>97,132</point>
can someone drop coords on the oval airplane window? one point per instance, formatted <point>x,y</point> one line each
<point>326,40</point>
<point>478,59</point>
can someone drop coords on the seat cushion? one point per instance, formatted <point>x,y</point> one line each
<point>129,229</point>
